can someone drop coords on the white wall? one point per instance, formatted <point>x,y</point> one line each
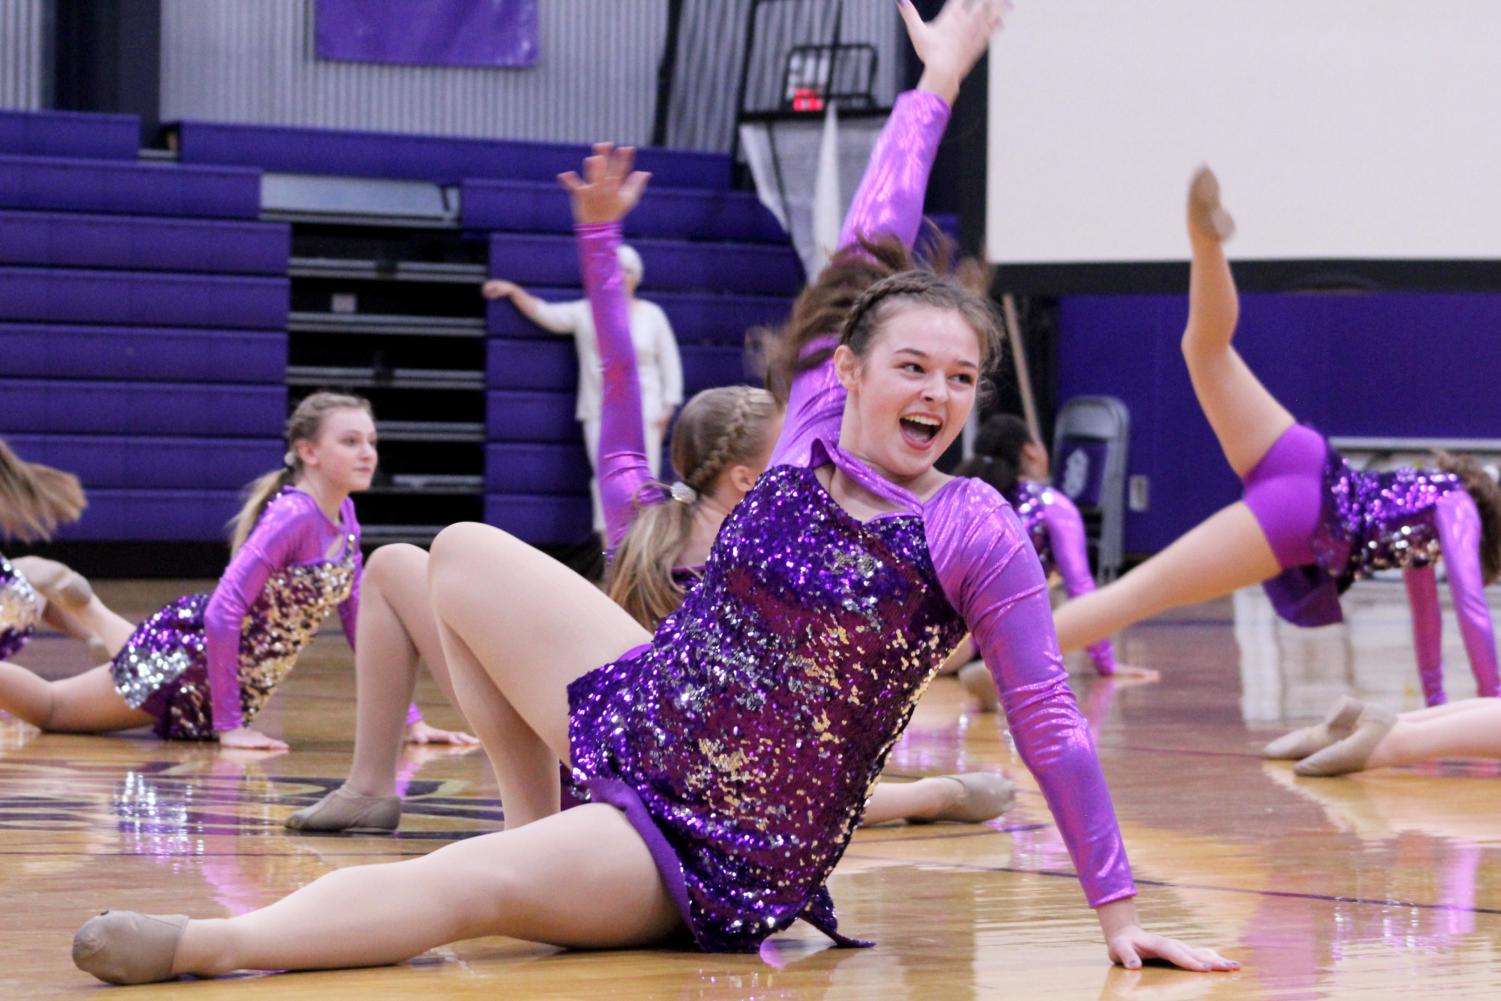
<point>1339,128</point>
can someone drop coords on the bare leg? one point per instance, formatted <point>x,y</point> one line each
<point>1474,731</point>
<point>1246,418</point>
<point>1225,552</point>
<point>974,797</point>
<point>517,626</point>
<point>84,703</point>
<point>98,620</point>
<point>582,878</point>
<point>74,608</point>
<point>396,630</point>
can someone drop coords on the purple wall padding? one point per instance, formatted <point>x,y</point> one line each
<point>133,188</point>
<point>443,160</point>
<point>695,316</point>
<point>159,463</point>
<point>1372,365</point>
<point>153,354</point>
<point>531,416</point>
<point>540,520</point>
<point>144,244</point>
<point>670,264</point>
<point>155,516</point>
<point>69,133</point>
<point>671,213</point>
<point>142,298</point>
<point>536,469</point>
<point>57,406</point>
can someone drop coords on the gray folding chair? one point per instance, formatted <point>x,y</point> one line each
<point>1089,466</point>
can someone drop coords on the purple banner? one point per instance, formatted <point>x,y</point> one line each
<point>429,32</point>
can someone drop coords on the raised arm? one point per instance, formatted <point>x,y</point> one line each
<point>601,199</point>
<point>1459,538</point>
<point>1065,528</point>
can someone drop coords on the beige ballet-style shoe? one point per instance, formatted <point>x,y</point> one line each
<point>1337,724</point>
<point>345,812</point>
<point>976,679</point>
<point>126,947</point>
<point>1205,213</point>
<point>59,583</point>
<point>980,796</point>
<point>1352,753</point>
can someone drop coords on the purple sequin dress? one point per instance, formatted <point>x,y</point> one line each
<point>20,609</point>
<point>207,663</point>
<point>1366,522</point>
<point>1056,529</point>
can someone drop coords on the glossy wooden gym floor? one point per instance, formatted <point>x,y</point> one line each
<point>1372,886</point>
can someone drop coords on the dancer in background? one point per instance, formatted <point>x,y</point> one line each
<point>658,538</point>
<point>728,757</point>
<point>1008,458</point>
<point>1309,524</point>
<point>205,664</point>
<point>657,361</point>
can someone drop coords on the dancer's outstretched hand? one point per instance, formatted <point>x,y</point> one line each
<point>247,739</point>
<point>1130,944</point>
<point>951,43</point>
<point>420,733</point>
<point>609,188</point>
<point>497,288</point>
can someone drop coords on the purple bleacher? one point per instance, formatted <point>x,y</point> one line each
<point>153,353</point>
<point>670,264</point>
<point>111,461</point>
<point>134,297</point>
<point>147,244</point>
<point>556,519</point>
<point>537,468</point>
<point>672,213</point>
<point>695,316</point>
<point>134,188</point>
<point>441,159</point>
<point>512,415</point>
<point>56,406</point>
<point>155,516</point>
<point>69,133</point>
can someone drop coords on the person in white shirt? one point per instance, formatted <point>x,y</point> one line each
<point>657,362</point>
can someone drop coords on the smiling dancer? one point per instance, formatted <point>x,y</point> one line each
<point>729,755</point>
<point>1309,524</point>
<point>204,665</point>
<point>658,537</point>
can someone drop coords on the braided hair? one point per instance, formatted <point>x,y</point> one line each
<point>718,429</point>
<point>923,288</point>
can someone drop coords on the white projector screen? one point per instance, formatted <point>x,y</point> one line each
<point>1340,129</point>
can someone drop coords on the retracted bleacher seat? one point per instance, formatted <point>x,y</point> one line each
<point>143,315</point>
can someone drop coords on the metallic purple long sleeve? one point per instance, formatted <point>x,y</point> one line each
<point>889,200</point>
<point>1065,530</point>
<point>1427,631</point>
<point>1459,539</point>
<point>291,530</point>
<point>991,574</point>
<point>625,478</point>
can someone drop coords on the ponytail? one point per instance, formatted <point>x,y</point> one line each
<point>305,424</point>
<point>998,452</point>
<point>35,499</point>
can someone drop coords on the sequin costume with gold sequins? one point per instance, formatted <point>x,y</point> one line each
<point>742,742</point>
<point>1056,529</point>
<point>20,609</point>
<point>1331,525</point>
<point>207,663</point>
